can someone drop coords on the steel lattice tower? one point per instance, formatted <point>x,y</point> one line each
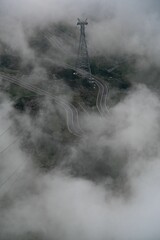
<point>83,56</point>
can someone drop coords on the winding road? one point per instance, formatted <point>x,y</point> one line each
<point>72,116</point>
<point>103,89</point>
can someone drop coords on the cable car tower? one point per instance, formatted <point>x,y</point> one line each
<point>83,62</point>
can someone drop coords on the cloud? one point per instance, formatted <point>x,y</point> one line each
<point>105,185</point>
<point>115,27</point>
<point>12,160</point>
<point>125,199</point>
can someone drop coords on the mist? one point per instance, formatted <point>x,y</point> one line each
<point>121,27</point>
<point>85,205</point>
<point>103,185</point>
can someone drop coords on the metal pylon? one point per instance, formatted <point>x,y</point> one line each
<point>83,57</point>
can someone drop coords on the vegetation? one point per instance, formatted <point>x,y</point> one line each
<point>112,70</point>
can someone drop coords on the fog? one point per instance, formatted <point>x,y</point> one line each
<point>115,27</point>
<point>59,205</point>
<point>103,185</point>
